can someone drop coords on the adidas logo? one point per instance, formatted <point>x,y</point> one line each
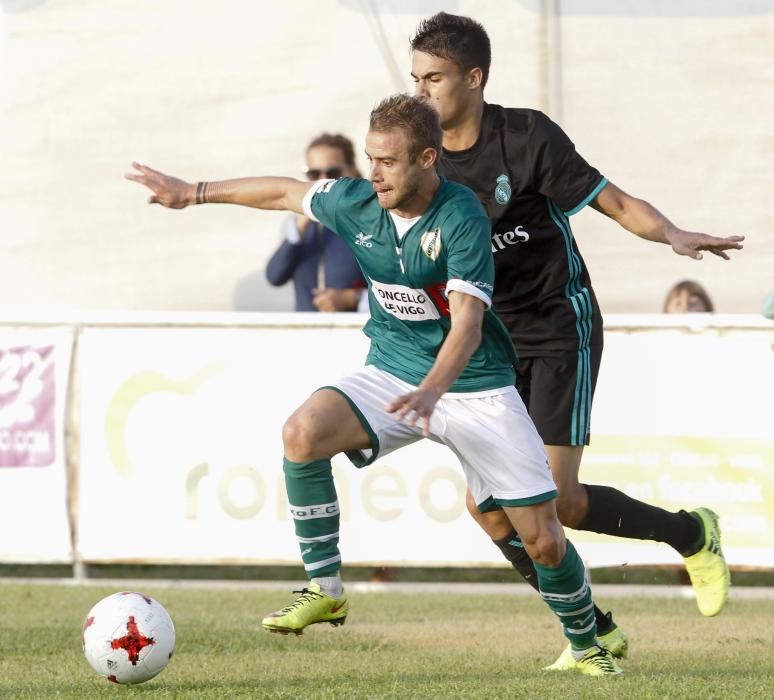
<point>364,240</point>
<point>714,545</point>
<point>713,537</point>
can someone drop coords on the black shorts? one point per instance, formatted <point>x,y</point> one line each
<point>557,390</point>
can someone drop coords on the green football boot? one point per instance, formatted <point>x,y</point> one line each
<point>311,607</point>
<point>707,568</point>
<point>614,640</point>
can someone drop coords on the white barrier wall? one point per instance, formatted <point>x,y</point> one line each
<point>178,455</point>
<point>181,455</point>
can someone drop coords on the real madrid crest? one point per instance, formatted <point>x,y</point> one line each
<point>430,243</point>
<point>503,189</point>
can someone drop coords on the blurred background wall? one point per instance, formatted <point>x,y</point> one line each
<point>672,100</point>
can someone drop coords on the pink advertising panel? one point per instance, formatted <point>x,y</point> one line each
<point>28,406</point>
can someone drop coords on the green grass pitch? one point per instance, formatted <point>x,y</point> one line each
<point>393,646</point>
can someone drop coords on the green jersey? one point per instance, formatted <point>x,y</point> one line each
<point>447,249</point>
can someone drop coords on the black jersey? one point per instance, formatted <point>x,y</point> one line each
<point>530,179</point>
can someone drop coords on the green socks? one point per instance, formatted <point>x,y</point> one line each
<point>568,594</point>
<point>314,507</point>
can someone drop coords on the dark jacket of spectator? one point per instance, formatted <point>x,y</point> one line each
<point>319,260</point>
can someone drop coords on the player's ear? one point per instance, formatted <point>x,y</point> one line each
<point>474,78</point>
<point>428,158</point>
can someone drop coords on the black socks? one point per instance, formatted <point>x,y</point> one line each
<point>513,550</point>
<point>612,512</point>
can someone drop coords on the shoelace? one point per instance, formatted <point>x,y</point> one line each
<point>306,595</point>
<point>601,659</point>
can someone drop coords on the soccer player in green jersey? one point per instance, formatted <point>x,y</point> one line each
<point>440,366</point>
<point>530,179</point>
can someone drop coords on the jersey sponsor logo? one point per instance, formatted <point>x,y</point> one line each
<point>430,243</point>
<point>502,190</point>
<point>364,240</point>
<point>481,285</point>
<point>404,303</point>
<point>500,241</point>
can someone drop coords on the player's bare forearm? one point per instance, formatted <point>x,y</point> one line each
<point>635,215</point>
<point>644,220</point>
<point>280,193</point>
<point>467,314</point>
<point>455,353</point>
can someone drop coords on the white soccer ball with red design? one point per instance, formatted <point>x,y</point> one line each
<point>128,637</point>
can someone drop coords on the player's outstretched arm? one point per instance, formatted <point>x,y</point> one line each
<point>467,315</point>
<point>643,219</point>
<point>258,192</point>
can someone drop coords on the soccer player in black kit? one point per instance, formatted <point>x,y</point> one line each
<point>530,179</point>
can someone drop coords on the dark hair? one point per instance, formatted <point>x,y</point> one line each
<point>459,39</point>
<point>692,289</point>
<point>414,116</point>
<point>337,141</point>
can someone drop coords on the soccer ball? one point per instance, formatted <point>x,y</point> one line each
<point>128,637</point>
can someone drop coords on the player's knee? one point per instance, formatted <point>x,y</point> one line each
<point>548,547</point>
<point>301,439</point>
<point>494,522</point>
<point>472,506</point>
<point>571,505</point>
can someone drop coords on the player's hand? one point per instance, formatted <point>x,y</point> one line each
<point>168,191</point>
<point>415,406</point>
<point>336,299</point>
<point>691,244</point>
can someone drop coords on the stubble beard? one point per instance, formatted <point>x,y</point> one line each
<point>408,193</point>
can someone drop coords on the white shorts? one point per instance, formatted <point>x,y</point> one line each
<point>491,433</point>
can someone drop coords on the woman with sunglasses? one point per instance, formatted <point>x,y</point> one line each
<point>325,274</point>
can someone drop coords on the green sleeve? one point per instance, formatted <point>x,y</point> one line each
<point>335,200</point>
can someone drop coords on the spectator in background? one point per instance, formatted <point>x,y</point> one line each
<point>325,274</point>
<point>688,297</point>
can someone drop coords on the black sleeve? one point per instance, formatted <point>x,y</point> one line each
<point>558,172</point>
